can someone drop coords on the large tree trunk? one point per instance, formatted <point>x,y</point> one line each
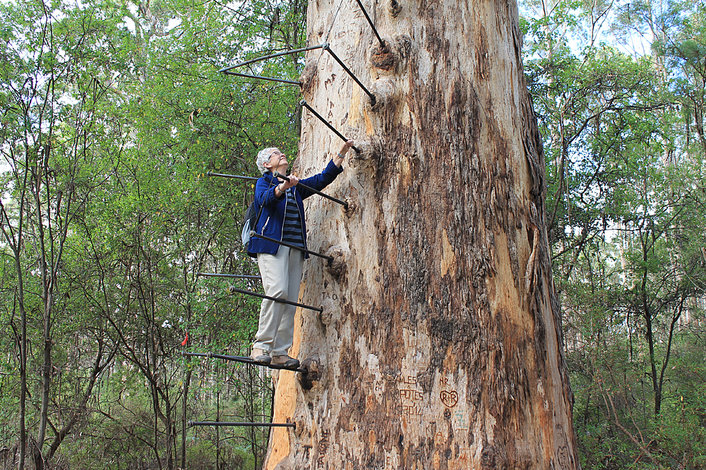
<point>440,342</point>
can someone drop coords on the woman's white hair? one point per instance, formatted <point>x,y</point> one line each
<point>262,157</point>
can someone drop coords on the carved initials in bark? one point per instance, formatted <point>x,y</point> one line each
<point>443,349</point>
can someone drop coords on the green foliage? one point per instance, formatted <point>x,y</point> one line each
<point>625,199</point>
<point>121,111</point>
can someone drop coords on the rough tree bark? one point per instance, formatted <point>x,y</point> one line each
<point>440,342</point>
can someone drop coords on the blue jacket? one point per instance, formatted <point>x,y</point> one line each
<point>271,220</point>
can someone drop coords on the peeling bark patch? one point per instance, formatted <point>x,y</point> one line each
<point>394,7</point>
<point>308,78</point>
<point>457,106</point>
<point>442,329</point>
<point>337,267</point>
<point>481,50</point>
<point>383,58</point>
<point>312,374</point>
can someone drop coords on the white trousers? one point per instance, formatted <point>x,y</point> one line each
<point>281,278</point>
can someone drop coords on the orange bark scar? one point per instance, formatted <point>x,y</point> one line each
<point>405,172</point>
<point>285,401</point>
<point>504,295</point>
<point>369,130</point>
<point>448,257</point>
<point>354,115</point>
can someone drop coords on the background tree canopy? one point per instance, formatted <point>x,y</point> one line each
<point>112,114</point>
<point>618,88</point>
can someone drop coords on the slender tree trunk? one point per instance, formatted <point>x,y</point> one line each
<point>656,385</point>
<point>649,333</point>
<point>439,343</point>
<point>23,363</point>
<point>46,375</point>
<point>187,382</point>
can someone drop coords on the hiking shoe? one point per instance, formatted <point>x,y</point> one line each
<point>259,355</point>
<point>285,361</point>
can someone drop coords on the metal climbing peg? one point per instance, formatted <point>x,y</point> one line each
<point>240,423</point>
<point>244,360</point>
<point>328,124</point>
<point>315,191</point>
<point>228,70</point>
<point>327,48</point>
<point>232,276</point>
<point>240,177</point>
<point>275,299</point>
<point>360,4</point>
<point>278,175</point>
